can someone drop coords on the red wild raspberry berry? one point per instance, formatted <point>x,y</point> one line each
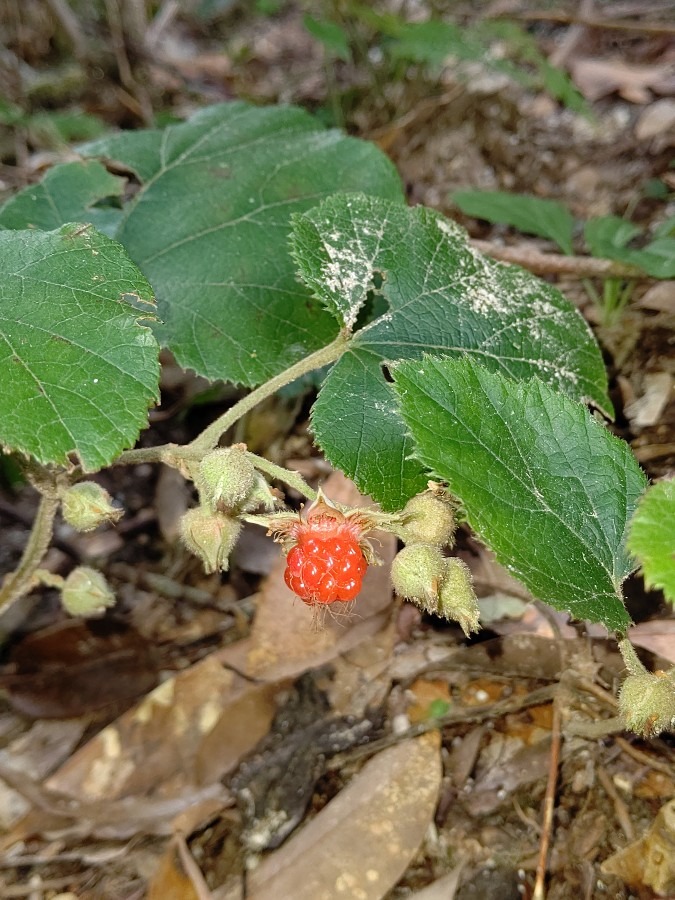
<point>327,561</point>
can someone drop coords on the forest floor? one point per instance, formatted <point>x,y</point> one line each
<point>205,738</point>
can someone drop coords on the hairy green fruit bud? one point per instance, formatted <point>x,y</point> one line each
<point>647,702</point>
<point>225,478</point>
<point>427,518</point>
<point>210,536</point>
<point>457,600</point>
<point>86,593</point>
<point>87,505</point>
<point>417,572</point>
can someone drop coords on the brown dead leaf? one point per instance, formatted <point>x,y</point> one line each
<point>174,738</point>
<point>657,124</point>
<point>74,667</point>
<point>598,78</point>
<point>426,693</point>
<point>660,297</point>
<point>657,636</point>
<point>649,861</point>
<point>286,639</point>
<point>361,843</point>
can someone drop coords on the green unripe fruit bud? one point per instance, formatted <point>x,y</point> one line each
<point>210,536</point>
<point>87,505</point>
<point>417,572</point>
<point>86,593</point>
<point>225,478</point>
<point>647,702</point>
<point>457,599</point>
<point>427,519</point>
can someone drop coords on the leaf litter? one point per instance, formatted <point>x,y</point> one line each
<point>114,792</point>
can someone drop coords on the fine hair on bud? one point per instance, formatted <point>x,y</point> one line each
<point>428,518</point>
<point>647,702</point>
<point>417,573</point>
<point>211,536</point>
<point>86,505</point>
<point>457,599</point>
<point>85,592</point>
<point>225,478</point>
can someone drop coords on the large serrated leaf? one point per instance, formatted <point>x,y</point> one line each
<point>442,297</point>
<point>78,370</point>
<point>652,537</point>
<point>67,193</point>
<point>209,228</point>
<point>544,484</point>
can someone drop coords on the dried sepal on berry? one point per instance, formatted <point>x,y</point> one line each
<point>210,536</point>
<point>86,505</point>
<point>327,554</point>
<point>457,599</point>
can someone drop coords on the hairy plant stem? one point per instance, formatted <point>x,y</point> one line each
<point>630,657</point>
<point>21,580</point>
<point>173,454</point>
<point>288,476</point>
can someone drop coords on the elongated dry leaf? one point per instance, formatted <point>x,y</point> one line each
<point>363,841</point>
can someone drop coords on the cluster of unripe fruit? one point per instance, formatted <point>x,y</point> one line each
<point>327,549</point>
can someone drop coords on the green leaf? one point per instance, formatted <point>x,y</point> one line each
<point>209,228</point>
<point>334,38</point>
<point>531,215</point>
<point>438,295</point>
<point>67,193</point>
<point>652,537</point>
<point>609,236</point>
<point>430,43</point>
<point>78,368</point>
<point>544,484</point>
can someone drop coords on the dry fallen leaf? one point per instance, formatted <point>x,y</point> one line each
<point>649,861</point>
<point>191,730</point>
<point>597,78</point>
<point>361,843</point>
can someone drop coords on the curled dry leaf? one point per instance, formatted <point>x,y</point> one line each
<point>649,861</point>
<point>361,843</point>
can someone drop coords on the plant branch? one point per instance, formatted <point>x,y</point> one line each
<point>556,264</point>
<point>288,476</point>
<point>20,581</point>
<point>209,438</point>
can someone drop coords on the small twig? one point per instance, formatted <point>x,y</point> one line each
<point>192,870</point>
<point>620,807</point>
<point>557,264</point>
<point>71,25</point>
<point>549,803</point>
<point>594,731</point>
<point>656,28</point>
<point>644,758</point>
<point>25,890</point>
<point>472,715</point>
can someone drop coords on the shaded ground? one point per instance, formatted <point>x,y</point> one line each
<point>273,756</point>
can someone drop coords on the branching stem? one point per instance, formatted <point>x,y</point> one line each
<point>172,454</point>
<point>21,580</point>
